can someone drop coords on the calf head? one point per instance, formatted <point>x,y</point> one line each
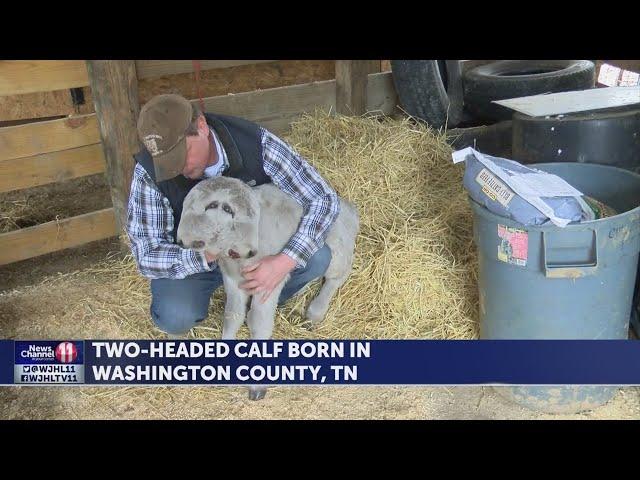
<point>220,215</point>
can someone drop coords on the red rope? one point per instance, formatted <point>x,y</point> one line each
<point>196,68</point>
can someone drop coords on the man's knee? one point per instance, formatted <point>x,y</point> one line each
<point>176,317</point>
<point>178,305</point>
<point>319,262</point>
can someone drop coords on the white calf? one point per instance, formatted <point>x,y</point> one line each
<point>241,224</point>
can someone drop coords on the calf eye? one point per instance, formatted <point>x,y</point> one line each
<point>227,209</point>
<point>211,205</point>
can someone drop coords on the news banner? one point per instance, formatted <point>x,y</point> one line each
<point>319,362</point>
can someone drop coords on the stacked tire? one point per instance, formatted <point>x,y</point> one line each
<point>429,90</point>
<point>437,92</point>
<point>610,137</point>
<point>521,78</point>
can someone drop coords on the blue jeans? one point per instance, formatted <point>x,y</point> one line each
<point>178,305</point>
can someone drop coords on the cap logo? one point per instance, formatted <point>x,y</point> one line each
<point>152,146</point>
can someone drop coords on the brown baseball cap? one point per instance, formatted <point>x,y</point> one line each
<point>162,126</point>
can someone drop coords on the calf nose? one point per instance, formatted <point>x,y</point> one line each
<point>197,244</point>
<point>251,253</point>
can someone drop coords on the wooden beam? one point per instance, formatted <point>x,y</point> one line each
<point>276,108</point>
<point>271,107</point>
<point>53,236</point>
<point>114,87</point>
<point>373,66</point>
<point>45,168</point>
<point>351,86</point>
<point>50,136</point>
<point>158,68</point>
<point>28,76</point>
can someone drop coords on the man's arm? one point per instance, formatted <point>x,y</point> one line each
<point>292,174</point>
<point>149,227</point>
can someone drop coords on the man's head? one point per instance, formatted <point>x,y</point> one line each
<point>176,135</point>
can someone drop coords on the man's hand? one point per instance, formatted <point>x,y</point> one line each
<point>211,257</point>
<point>264,275</point>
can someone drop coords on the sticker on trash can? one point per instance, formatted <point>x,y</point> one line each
<point>514,245</point>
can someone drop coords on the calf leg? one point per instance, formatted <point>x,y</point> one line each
<point>261,317</point>
<point>235,310</point>
<point>260,320</point>
<point>317,309</point>
<point>336,275</point>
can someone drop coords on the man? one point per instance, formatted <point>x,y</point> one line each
<point>185,146</point>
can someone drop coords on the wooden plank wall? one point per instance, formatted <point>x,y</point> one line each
<point>50,151</point>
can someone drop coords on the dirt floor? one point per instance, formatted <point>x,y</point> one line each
<point>50,297</point>
<point>331,403</point>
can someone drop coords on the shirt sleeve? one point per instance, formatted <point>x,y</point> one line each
<point>149,228</point>
<point>292,174</point>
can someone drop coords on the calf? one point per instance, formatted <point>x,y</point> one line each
<point>240,224</point>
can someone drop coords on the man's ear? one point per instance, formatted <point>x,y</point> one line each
<point>203,127</point>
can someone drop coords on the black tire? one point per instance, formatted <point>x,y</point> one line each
<point>609,137</point>
<point>492,139</point>
<point>430,90</point>
<point>519,78</point>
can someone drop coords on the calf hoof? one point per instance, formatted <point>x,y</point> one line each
<point>257,393</point>
<point>310,324</point>
<point>312,321</point>
<point>315,314</point>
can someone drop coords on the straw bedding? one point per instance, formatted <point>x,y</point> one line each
<point>414,273</point>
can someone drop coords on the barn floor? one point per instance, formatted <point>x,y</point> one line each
<point>27,310</point>
<point>331,403</point>
<point>96,292</point>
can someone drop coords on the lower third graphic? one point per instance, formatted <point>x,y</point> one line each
<point>49,362</point>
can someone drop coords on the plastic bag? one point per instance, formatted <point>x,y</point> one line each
<point>526,195</point>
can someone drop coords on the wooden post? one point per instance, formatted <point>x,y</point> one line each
<point>114,87</point>
<point>351,85</point>
<point>374,66</point>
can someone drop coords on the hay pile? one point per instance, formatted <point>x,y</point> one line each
<point>414,273</point>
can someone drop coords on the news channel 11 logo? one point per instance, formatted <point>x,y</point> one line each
<point>49,362</point>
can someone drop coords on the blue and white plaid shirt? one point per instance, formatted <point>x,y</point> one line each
<point>150,217</point>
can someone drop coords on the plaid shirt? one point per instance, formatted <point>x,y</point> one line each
<point>150,217</point>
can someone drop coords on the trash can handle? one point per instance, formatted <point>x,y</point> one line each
<point>585,247</point>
